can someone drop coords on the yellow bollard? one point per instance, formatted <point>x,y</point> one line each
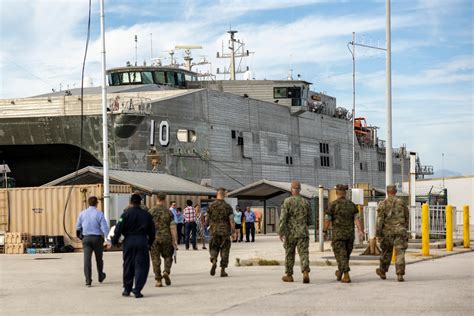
<point>467,242</point>
<point>449,228</point>
<point>425,230</point>
<point>394,256</point>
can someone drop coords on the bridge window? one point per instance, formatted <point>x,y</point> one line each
<point>186,136</point>
<point>170,78</point>
<point>135,77</point>
<point>159,77</point>
<point>147,77</point>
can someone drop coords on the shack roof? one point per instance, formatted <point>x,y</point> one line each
<point>266,189</point>
<point>145,181</point>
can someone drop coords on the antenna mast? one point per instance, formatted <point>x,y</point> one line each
<point>238,52</point>
<point>136,50</point>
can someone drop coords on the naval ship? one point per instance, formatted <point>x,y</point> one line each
<point>221,133</point>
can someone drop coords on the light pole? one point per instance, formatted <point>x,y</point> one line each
<point>105,132</point>
<point>388,100</point>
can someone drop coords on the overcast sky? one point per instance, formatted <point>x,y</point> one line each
<point>432,54</point>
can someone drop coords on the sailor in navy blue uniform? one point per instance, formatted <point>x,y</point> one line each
<point>138,228</point>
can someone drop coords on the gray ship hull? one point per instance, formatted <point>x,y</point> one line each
<point>236,140</point>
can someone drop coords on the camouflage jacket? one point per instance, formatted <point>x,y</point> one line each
<point>392,217</point>
<point>295,218</point>
<point>163,219</point>
<point>219,213</point>
<point>342,214</point>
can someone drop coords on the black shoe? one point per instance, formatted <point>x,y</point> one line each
<point>102,277</point>
<point>204,247</point>
<point>88,285</point>
<point>247,241</point>
<point>138,295</point>
<point>126,293</point>
<point>253,240</point>
<point>240,240</point>
<point>195,248</point>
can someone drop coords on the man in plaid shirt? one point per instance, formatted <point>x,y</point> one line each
<point>189,214</point>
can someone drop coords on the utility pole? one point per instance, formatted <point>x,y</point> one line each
<point>354,44</point>
<point>136,50</point>
<point>388,100</point>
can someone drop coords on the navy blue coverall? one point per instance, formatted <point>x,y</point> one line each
<point>138,228</point>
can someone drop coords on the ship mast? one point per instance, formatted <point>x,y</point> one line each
<point>235,52</point>
<point>105,133</point>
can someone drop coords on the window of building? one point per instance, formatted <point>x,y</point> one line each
<point>186,135</point>
<point>287,93</point>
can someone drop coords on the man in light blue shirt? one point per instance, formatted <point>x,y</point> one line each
<point>249,224</point>
<point>92,229</point>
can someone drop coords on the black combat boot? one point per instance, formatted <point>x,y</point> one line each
<point>223,273</point>
<point>214,266</point>
<point>166,276</point>
<point>400,278</point>
<point>338,275</point>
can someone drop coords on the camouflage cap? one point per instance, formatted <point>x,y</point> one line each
<point>295,185</point>
<point>391,187</point>
<point>341,187</point>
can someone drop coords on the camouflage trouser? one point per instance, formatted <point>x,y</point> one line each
<point>290,245</point>
<point>342,251</point>
<point>219,243</point>
<point>159,250</point>
<point>400,242</point>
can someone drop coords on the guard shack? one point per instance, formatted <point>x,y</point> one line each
<point>272,194</point>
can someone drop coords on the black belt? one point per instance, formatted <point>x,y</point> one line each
<point>98,236</point>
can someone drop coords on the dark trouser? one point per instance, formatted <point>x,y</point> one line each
<point>249,229</point>
<point>179,228</point>
<point>400,243</point>
<point>342,251</point>
<point>220,244</point>
<point>190,228</point>
<point>241,232</point>
<point>93,244</point>
<point>136,262</point>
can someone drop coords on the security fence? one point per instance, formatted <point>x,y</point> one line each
<point>436,217</point>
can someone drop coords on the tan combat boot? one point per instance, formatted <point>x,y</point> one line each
<point>287,278</point>
<point>305,277</point>
<point>346,278</point>
<point>214,266</point>
<point>166,276</point>
<point>400,278</point>
<point>158,283</point>
<point>223,273</point>
<point>338,275</point>
<point>381,273</point>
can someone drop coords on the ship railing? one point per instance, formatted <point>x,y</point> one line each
<point>130,105</point>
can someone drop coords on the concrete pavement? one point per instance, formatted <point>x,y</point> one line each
<point>54,284</point>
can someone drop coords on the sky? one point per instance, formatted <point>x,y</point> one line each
<point>43,42</point>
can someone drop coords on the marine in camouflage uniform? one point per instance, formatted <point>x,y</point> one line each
<point>293,229</point>
<point>342,213</point>
<point>220,220</point>
<point>392,231</point>
<point>165,242</point>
